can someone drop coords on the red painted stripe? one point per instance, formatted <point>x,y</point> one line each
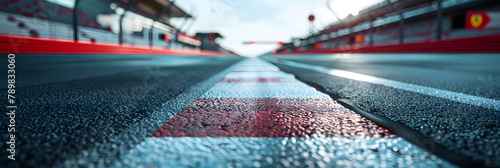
<point>258,71</point>
<point>258,80</point>
<point>268,117</point>
<point>23,44</point>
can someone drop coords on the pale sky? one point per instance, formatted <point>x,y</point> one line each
<point>262,20</point>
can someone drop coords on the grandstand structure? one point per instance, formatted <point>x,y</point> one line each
<point>127,22</point>
<point>400,22</point>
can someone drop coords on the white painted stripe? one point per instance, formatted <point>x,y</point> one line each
<point>257,66</point>
<point>236,75</point>
<point>263,90</point>
<point>458,97</point>
<point>267,68</point>
<point>256,69</point>
<point>293,89</point>
<point>278,152</point>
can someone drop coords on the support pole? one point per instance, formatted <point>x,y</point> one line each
<point>398,9</point>
<point>75,21</point>
<point>182,24</point>
<point>401,29</point>
<point>150,34</point>
<point>158,16</point>
<point>120,34</point>
<point>331,10</point>
<point>190,24</point>
<point>370,30</point>
<point>439,20</point>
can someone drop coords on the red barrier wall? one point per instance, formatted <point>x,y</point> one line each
<point>23,44</point>
<point>479,44</point>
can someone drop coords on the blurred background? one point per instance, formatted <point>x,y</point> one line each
<point>231,25</point>
<point>95,78</point>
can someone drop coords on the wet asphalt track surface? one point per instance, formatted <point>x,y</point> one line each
<point>70,103</point>
<point>465,129</point>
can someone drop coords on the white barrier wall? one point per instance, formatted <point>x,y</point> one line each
<point>56,30</point>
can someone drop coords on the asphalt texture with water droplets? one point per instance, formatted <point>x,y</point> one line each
<point>462,128</point>
<point>70,103</point>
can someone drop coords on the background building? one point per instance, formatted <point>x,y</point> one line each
<point>399,22</point>
<point>131,22</point>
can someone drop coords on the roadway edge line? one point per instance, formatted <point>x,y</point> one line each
<point>426,90</point>
<point>104,154</point>
<point>401,130</point>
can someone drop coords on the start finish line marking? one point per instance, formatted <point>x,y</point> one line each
<point>267,118</point>
<point>454,96</point>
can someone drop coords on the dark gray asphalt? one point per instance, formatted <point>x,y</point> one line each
<point>69,103</point>
<point>73,103</point>
<point>465,129</point>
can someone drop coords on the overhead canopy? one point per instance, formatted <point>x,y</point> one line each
<point>214,35</point>
<point>375,11</point>
<point>151,8</point>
